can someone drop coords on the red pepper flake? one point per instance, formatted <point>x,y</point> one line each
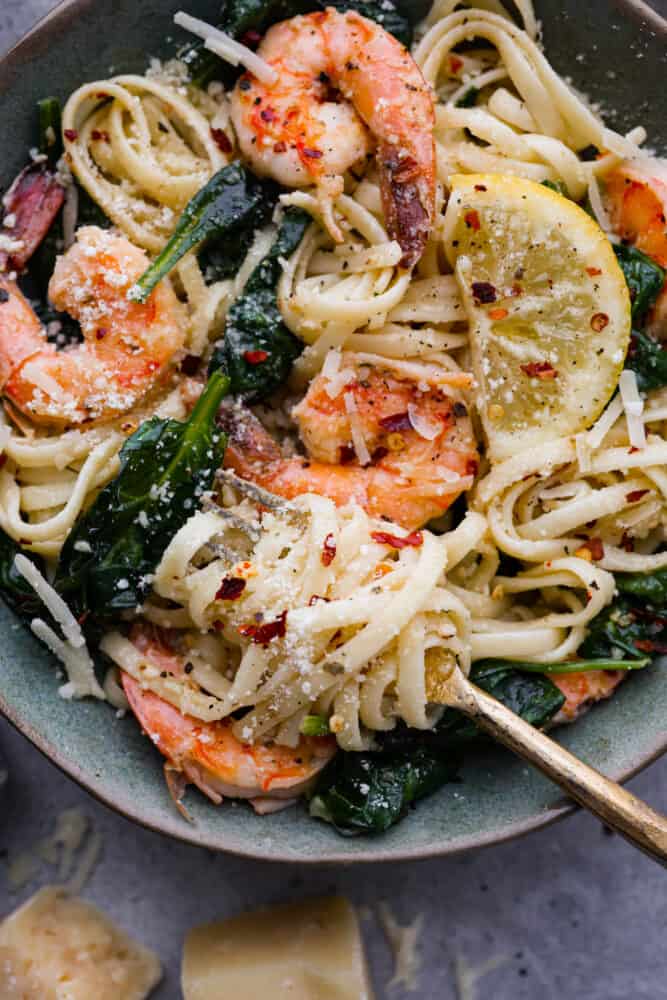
<point>484,293</point>
<point>262,635</point>
<point>396,422</point>
<point>595,547</point>
<point>497,314</point>
<point>100,136</point>
<point>593,271</point>
<point>190,364</point>
<point>632,449</point>
<point>268,115</point>
<point>312,154</point>
<point>599,321</point>
<point>251,38</point>
<point>471,220</point>
<point>648,646</point>
<point>316,599</point>
<point>221,139</point>
<point>413,540</point>
<point>255,357</point>
<point>472,467</point>
<point>231,588</point>
<point>516,290</point>
<point>101,333</point>
<point>481,187</point>
<point>455,63</point>
<point>328,550</point>
<point>346,454</point>
<point>627,543</point>
<point>71,134</point>
<point>280,147</point>
<point>539,369</point>
<point>102,96</point>
<point>634,495</point>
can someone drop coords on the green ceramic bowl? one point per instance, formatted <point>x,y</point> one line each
<point>614,51</point>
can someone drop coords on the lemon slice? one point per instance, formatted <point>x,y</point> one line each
<point>548,306</point>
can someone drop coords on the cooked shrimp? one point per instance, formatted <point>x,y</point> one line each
<point>637,201</point>
<point>127,346</point>
<point>298,130</point>
<point>210,756</point>
<point>412,475</point>
<point>584,689</point>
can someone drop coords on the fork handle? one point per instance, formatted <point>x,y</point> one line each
<point>615,806</point>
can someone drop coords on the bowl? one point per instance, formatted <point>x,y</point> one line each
<point>499,796</point>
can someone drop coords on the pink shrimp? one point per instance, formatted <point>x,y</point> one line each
<point>209,755</point>
<point>637,201</point>
<point>409,479</point>
<point>299,131</point>
<point>127,346</point>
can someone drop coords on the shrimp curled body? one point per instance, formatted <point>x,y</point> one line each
<point>299,131</point>
<point>209,755</point>
<point>126,347</point>
<point>409,478</point>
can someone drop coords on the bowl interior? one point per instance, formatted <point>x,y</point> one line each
<point>499,795</point>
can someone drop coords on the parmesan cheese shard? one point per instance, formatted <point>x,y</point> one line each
<point>56,946</point>
<point>302,951</point>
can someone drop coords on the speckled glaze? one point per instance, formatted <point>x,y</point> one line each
<point>614,51</point>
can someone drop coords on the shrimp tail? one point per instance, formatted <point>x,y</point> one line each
<point>31,205</point>
<point>407,204</point>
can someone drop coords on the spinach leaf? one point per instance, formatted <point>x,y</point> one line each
<point>645,279</point>
<point>15,590</point>
<point>368,792</point>
<point>50,129</point>
<point>257,350</point>
<point>234,201</point>
<point>107,562</point>
<point>241,16</point>
<point>648,360</point>
<point>649,588</point>
<point>624,630</point>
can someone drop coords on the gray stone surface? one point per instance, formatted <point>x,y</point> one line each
<point>566,912</point>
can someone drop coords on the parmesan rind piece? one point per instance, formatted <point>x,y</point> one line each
<point>303,951</point>
<point>56,947</point>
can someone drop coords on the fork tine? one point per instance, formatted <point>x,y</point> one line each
<point>260,495</point>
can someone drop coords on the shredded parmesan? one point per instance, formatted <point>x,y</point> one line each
<point>427,429</point>
<point>633,404</point>
<point>70,215</point>
<point>72,651</point>
<point>604,423</point>
<point>404,944</point>
<point>225,47</point>
<point>599,210</point>
<point>356,430</point>
<point>52,600</point>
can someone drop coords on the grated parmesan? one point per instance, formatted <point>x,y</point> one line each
<point>72,651</point>
<point>604,423</point>
<point>225,47</point>
<point>403,942</point>
<point>633,404</point>
<point>356,430</point>
<point>427,429</point>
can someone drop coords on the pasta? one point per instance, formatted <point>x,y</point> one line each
<point>337,611</point>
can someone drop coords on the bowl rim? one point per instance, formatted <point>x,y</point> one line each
<point>57,21</point>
